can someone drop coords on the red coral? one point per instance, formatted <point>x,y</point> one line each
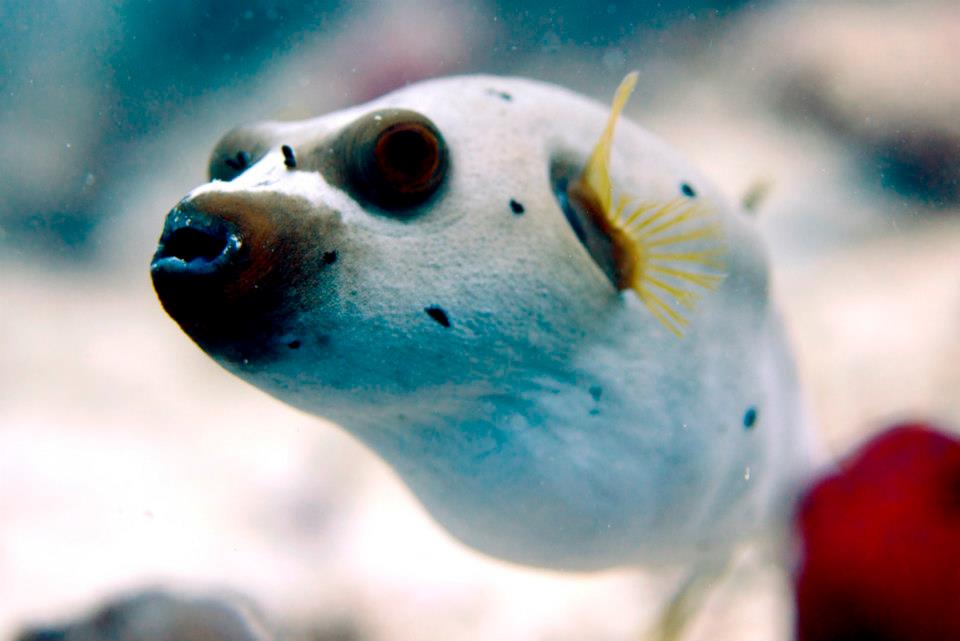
<point>880,543</point>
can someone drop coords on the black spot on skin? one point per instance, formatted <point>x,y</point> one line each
<point>437,314</point>
<point>294,344</point>
<point>502,95</point>
<point>687,190</point>
<point>596,392</point>
<point>516,207</point>
<point>288,158</point>
<point>329,258</point>
<point>750,418</point>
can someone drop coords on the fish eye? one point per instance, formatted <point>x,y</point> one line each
<point>395,158</point>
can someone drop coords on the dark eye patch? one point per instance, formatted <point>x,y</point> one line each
<point>394,159</point>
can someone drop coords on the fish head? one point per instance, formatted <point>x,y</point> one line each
<point>436,238</point>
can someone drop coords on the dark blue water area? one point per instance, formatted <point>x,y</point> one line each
<point>124,71</point>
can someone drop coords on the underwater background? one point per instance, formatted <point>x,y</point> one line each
<point>128,459</point>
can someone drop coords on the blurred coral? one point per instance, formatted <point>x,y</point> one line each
<point>880,542</point>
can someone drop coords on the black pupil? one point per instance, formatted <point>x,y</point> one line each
<point>407,154</point>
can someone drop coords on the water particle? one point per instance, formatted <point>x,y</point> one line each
<point>596,392</point>
<point>687,190</point>
<point>614,59</point>
<point>516,207</point>
<point>294,344</point>
<point>550,42</point>
<point>746,473</point>
<point>330,257</point>
<point>750,418</point>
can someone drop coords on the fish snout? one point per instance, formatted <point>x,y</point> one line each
<point>196,244</point>
<point>213,252</point>
<point>226,264</point>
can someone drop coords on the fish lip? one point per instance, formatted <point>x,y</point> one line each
<point>194,243</point>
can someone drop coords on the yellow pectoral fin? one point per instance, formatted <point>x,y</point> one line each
<point>665,251</point>
<point>679,255</point>
<point>596,174</point>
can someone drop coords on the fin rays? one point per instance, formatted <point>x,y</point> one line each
<point>678,256</point>
<point>596,174</point>
<point>671,259</point>
<point>667,252</point>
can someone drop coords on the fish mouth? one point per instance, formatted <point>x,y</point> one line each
<point>195,243</point>
<point>230,269</point>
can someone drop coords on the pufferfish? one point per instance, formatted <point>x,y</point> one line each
<point>555,330</point>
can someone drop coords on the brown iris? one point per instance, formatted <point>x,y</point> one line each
<point>394,158</point>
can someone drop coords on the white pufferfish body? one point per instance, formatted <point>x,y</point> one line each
<point>541,413</point>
